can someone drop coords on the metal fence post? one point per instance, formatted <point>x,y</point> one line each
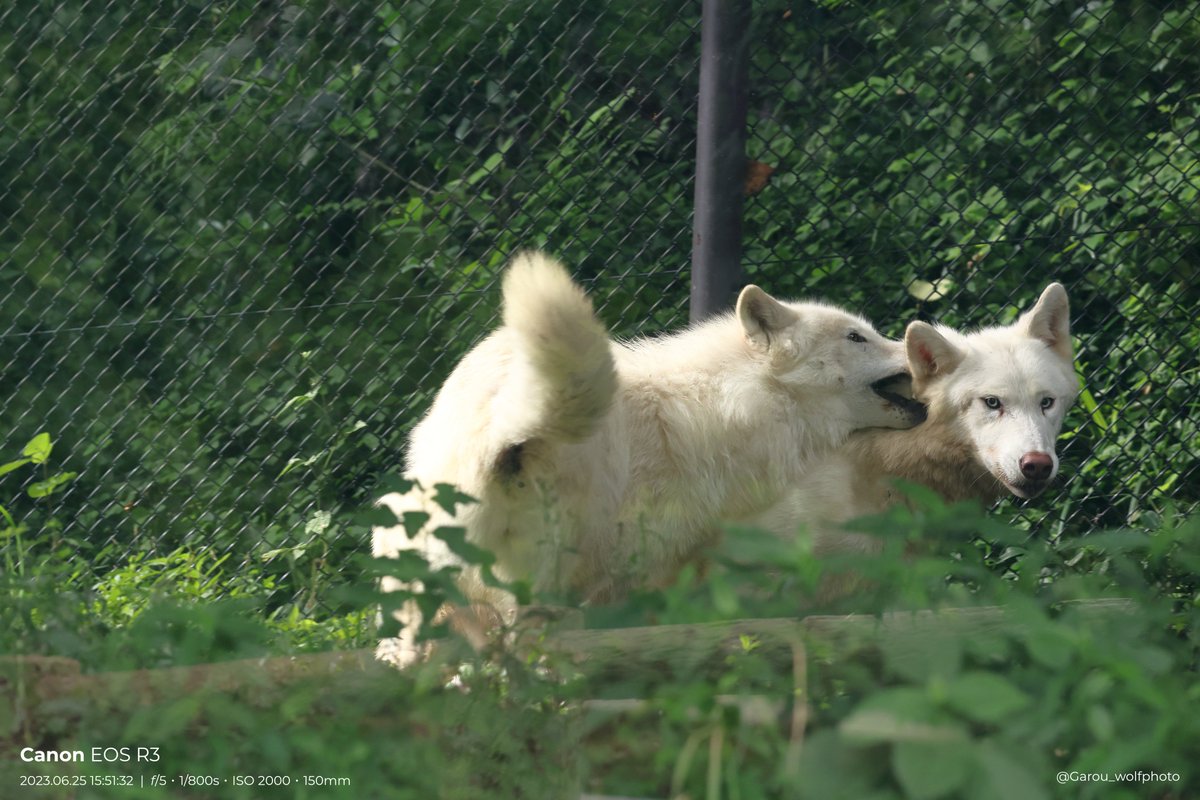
<point>720,156</point>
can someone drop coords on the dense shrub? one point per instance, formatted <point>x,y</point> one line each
<point>1016,680</point>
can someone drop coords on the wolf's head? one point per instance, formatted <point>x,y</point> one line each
<point>814,350</point>
<point>1006,389</point>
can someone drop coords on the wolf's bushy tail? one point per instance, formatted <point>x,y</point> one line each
<point>564,344</point>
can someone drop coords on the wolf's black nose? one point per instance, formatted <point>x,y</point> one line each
<point>1037,466</point>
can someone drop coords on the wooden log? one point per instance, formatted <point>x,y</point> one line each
<point>609,653</point>
<point>601,652</point>
<point>148,686</point>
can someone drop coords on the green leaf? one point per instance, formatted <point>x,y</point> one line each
<point>522,590</point>
<point>1110,542</point>
<point>1100,723</point>
<point>1093,409</point>
<point>1050,643</point>
<point>930,770</point>
<point>724,598</point>
<point>984,696</point>
<point>10,466</point>
<point>318,522</point>
<point>414,521</point>
<point>391,482</point>
<point>379,516</point>
<point>407,565</point>
<point>39,448</point>
<point>904,714</point>
<point>301,399</point>
<point>1049,647</point>
<point>882,726</point>
<point>987,645</point>
<point>922,496</point>
<point>919,657</point>
<point>296,461</point>
<point>456,539</point>
<point>50,485</point>
<point>294,552</point>
<point>449,497</point>
<point>927,291</point>
<point>1006,778</point>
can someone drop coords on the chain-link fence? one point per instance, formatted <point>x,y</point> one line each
<point>243,243</point>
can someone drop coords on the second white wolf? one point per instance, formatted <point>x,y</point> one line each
<point>600,465</point>
<point>996,400</point>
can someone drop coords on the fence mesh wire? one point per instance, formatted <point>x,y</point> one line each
<point>241,244</point>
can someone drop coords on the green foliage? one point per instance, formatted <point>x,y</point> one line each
<point>1017,682</point>
<point>981,710</point>
<point>12,530</point>
<point>242,245</point>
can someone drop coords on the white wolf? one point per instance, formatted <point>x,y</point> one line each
<point>599,465</point>
<point>996,400</point>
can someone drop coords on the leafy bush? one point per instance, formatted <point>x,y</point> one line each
<point>1014,680</point>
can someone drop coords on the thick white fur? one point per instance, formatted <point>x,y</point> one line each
<point>964,450</point>
<point>600,466</point>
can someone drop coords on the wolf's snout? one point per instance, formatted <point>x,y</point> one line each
<point>1037,466</point>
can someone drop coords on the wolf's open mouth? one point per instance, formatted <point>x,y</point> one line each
<point>897,390</point>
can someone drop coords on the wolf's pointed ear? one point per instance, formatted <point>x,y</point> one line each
<point>1050,320</point>
<point>762,316</point>
<point>929,352</point>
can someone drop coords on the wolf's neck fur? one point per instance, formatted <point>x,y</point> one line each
<point>736,442</point>
<point>937,454</point>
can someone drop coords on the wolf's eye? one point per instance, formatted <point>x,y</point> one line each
<point>992,402</point>
<point>855,336</point>
<point>1047,403</point>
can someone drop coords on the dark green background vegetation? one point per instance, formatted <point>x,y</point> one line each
<point>241,243</point>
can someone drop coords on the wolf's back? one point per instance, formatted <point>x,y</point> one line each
<point>565,346</point>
